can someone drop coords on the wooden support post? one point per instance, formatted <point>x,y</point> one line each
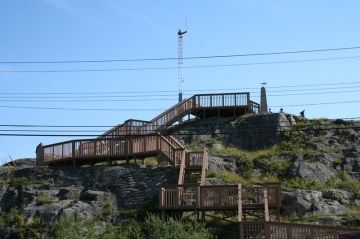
<point>239,201</point>
<point>266,205</point>
<point>198,197</point>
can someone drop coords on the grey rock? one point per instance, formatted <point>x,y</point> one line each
<point>214,181</point>
<point>69,193</point>
<point>83,209</point>
<point>308,201</point>
<point>47,212</point>
<point>328,206</point>
<point>312,170</point>
<point>92,195</point>
<point>350,153</point>
<point>342,196</point>
<point>300,201</point>
<point>221,163</point>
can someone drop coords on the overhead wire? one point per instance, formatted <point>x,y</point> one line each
<point>194,90</point>
<point>162,95</point>
<point>118,129</point>
<point>176,67</point>
<point>185,58</point>
<point>259,131</point>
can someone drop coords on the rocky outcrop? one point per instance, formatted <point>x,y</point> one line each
<point>304,201</point>
<point>84,191</point>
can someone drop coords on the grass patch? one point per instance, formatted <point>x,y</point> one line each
<point>343,181</point>
<point>302,183</point>
<point>234,178</point>
<point>151,162</point>
<point>44,198</point>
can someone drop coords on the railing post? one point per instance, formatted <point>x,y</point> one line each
<point>239,202</point>
<point>198,197</point>
<point>266,205</point>
<point>94,147</point>
<point>289,232</point>
<point>62,151</point>
<point>73,154</point>
<point>248,102</point>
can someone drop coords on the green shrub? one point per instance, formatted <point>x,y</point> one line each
<point>156,228</point>
<point>152,227</point>
<point>302,183</point>
<point>343,181</point>
<point>273,167</point>
<point>19,181</point>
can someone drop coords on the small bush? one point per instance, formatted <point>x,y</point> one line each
<point>19,181</point>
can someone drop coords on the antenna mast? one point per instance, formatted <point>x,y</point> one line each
<point>180,63</point>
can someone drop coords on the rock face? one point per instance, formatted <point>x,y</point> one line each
<point>303,201</point>
<point>85,191</point>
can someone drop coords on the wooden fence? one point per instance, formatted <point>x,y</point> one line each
<point>216,197</point>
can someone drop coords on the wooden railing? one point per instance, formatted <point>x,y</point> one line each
<point>254,107</point>
<point>129,127</point>
<point>103,147</point>
<point>170,116</point>
<point>281,230</point>
<point>219,197</point>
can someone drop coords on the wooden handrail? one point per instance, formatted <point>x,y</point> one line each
<point>184,107</point>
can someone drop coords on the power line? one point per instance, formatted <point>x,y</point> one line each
<point>97,96</point>
<point>260,131</point>
<point>75,109</point>
<point>139,109</point>
<point>74,99</point>
<point>323,103</point>
<point>263,125</point>
<point>185,58</point>
<point>174,67</point>
<point>174,91</point>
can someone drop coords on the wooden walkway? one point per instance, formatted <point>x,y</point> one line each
<point>138,138</point>
<point>141,139</point>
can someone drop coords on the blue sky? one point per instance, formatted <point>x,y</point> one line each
<point>51,30</point>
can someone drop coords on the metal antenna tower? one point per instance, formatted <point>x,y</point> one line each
<point>180,63</point>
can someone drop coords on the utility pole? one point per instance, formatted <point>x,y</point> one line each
<point>180,63</point>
